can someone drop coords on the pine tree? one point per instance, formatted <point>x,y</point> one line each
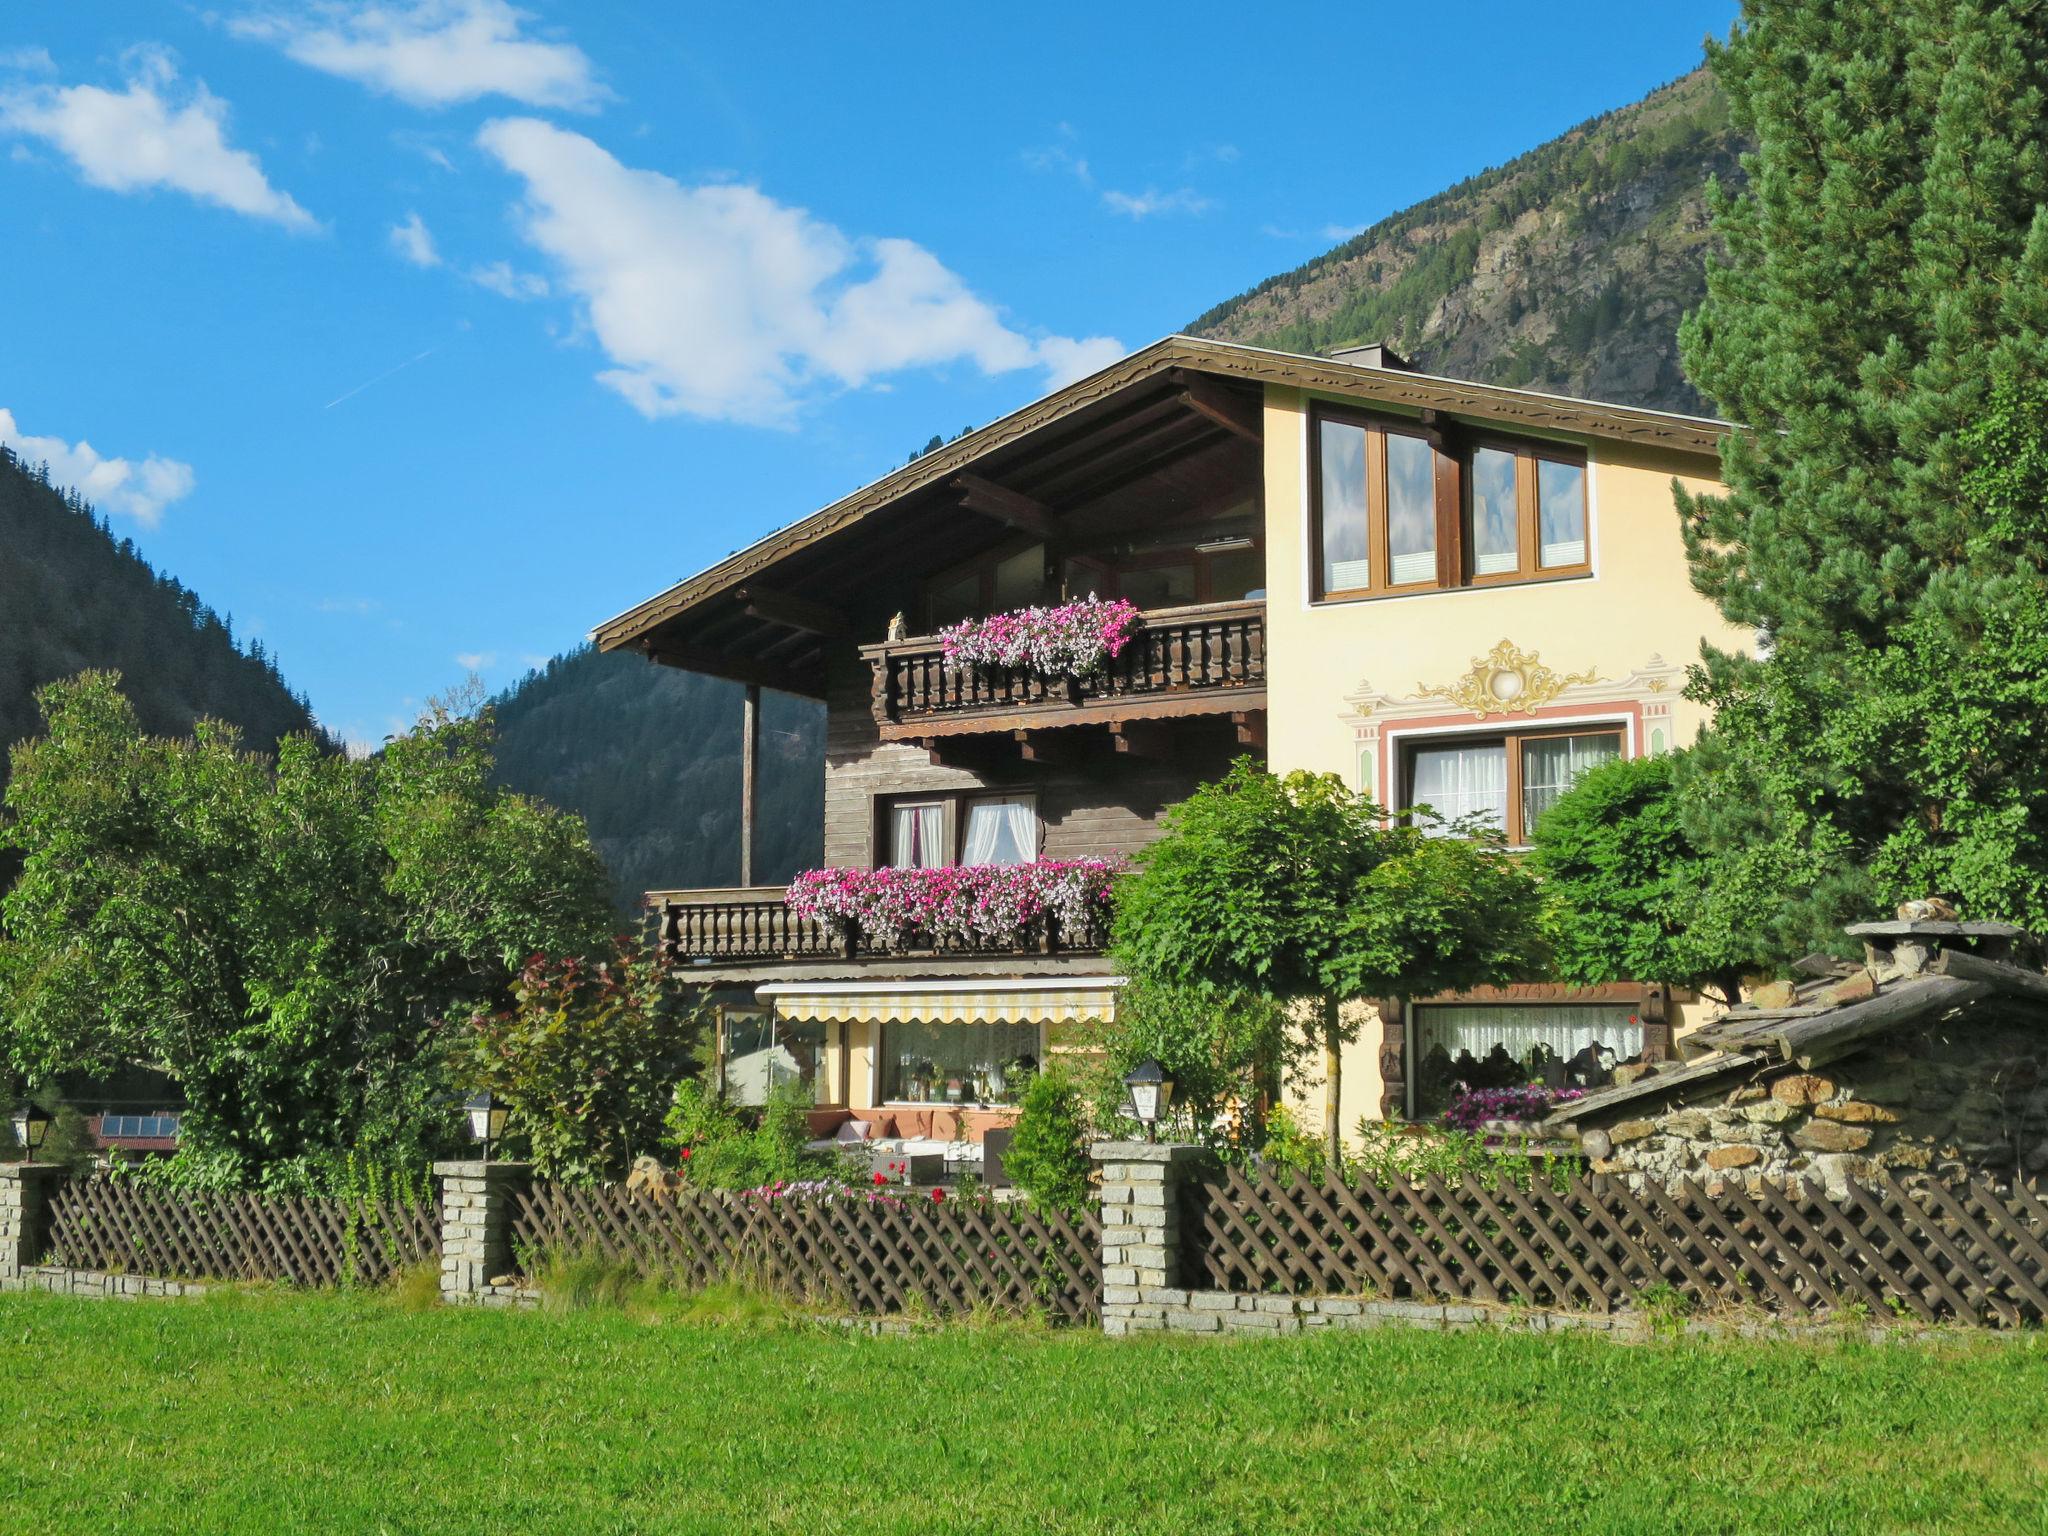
<point>1884,276</point>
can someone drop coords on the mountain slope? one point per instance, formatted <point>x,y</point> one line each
<point>650,757</point>
<point>1567,269</point>
<point>71,597</point>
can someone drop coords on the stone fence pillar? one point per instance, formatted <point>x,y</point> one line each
<point>25,1191</point>
<point>476,1225</point>
<point>1141,1184</point>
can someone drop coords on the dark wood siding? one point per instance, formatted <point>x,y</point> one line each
<point>1104,805</point>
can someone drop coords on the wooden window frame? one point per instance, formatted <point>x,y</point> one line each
<point>1452,452</point>
<point>1528,511</point>
<point>956,803</point>
<point>1512,741</point>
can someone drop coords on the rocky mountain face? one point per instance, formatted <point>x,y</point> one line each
<point>1567,269</point>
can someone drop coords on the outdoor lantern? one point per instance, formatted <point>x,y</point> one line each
<point>31,1124</point>
<point>486,1120</point>
<point>1151,1092</point>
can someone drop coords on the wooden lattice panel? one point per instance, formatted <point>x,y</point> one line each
<point>126,1227</point>
<point>1974,1251</point>
<point>868,1253</point>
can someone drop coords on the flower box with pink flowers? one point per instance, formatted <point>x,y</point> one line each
<point>1071,640</point>
<point>970,907</point>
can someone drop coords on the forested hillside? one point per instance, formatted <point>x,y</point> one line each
<point>73,596</point>
<point>650,757</point>
<point>1566,269</point>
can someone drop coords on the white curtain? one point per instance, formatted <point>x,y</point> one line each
<point>1564,1028</point>
<point>1460,781</point>
<point>917,836</point>
<point>1002,831</point>
<point>1550,767</point>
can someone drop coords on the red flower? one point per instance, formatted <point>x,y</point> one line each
<point>938,1197</point>
<point>686,1154</point>
<point>881,1178</point>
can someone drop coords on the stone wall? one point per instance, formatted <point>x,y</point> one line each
<point>1967,1098</point>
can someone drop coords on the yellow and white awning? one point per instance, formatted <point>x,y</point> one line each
<point>1062,1001</point>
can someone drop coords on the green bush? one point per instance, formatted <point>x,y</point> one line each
<point>1048,1156</point>
<point>720,1146</point>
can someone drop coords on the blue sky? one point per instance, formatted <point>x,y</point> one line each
<point>421,335</point>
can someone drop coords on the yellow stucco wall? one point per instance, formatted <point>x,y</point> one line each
<point>1334,669</point>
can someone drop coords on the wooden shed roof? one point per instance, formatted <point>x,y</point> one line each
<point>752,615</point>
<point>1824,1019</point>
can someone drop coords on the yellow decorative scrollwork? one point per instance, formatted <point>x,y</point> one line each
<point>1506,681</point>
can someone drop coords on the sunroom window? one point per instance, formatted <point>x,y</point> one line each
<point>957,1063</point>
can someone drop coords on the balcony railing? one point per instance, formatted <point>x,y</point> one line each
<point>702,928</point>
<point>1204,659</point>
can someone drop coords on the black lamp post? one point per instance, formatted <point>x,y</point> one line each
<point>1151,1088</point>
<point>31,1125</point>
<point>486,1119</point>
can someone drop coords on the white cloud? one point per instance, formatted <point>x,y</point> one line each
<point>475,661</point>
<point>717,301</point>
<point>431,53</point>
<point>415,242</point>
<point>502,279</point>
<point>150,135</point>
<point>30,60</point>
<point>1343,231</point>
<point>140,491</point>
<point>1143,205</point>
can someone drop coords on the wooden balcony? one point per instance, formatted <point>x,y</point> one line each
<point>1204,660</point>
<point>751,925</point>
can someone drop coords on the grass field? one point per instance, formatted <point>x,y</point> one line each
<point>273,1412</point>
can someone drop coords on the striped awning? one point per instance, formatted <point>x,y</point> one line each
<point>1024,1002</point>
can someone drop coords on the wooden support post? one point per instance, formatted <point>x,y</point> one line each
<point>1250,727</point>
<point>750,768</point>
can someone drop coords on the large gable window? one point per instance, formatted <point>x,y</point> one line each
<point>1503,782</point>
<point>1400,508</point>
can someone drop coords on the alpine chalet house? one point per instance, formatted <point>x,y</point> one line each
<point>1445,592</point>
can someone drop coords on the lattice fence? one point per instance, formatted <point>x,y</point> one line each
<point>1974,1251</point>
<point>864,1252</point>
<point>119,1225</point>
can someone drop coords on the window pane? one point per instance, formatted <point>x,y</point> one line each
<point>1470,779</point>
<point>1560,1045</point>
<point>1552,766</point>
<point>764,1052</point>
<point>1235,574</point>
<point>955,601</point>
<point>1159,586</point>
<point>1002,831</point>
<point>917,836</point>
<point>1347,565</point>
<point>1496,521</point>
<point>1020,580</point>
<point>1411,510</point>
<point>957,1063</point>
<point>1561,500</point>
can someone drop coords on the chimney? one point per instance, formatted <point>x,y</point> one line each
<point>1376,355</point>
<point>1922,929</point>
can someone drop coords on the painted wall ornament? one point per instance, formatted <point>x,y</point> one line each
<point>1506,680</point>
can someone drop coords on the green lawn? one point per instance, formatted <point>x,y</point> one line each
<point>271,1412</point>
